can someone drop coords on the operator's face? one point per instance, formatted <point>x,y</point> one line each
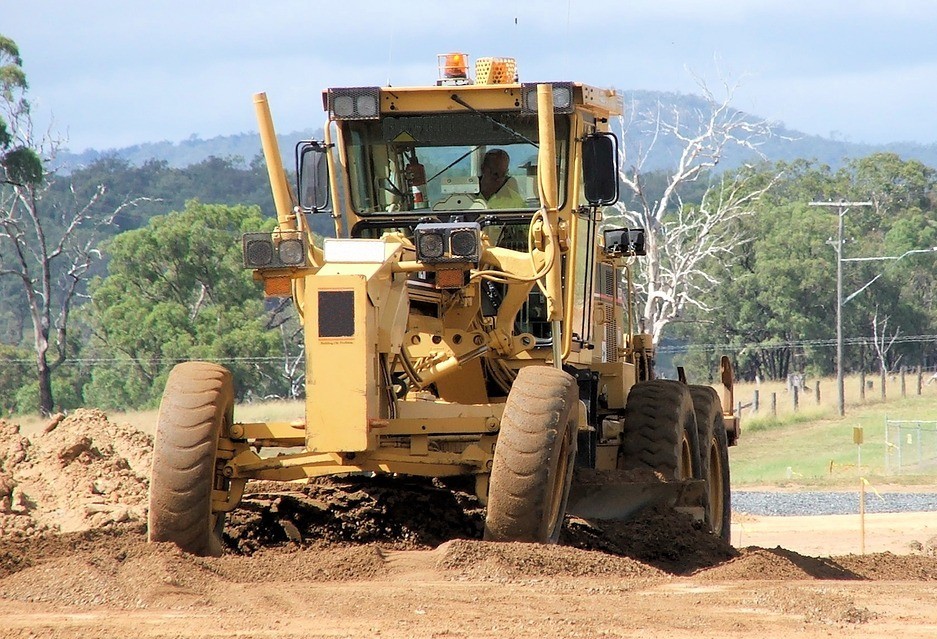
<point>494,170</point>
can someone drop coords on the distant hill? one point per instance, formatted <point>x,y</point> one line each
<point>787,144</point>
<point>192,150</point>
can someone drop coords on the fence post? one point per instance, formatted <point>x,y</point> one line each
<point>817,392</point>
<point>920,379</point>
<point>900,447</point>
<point>884,377</point>
<point>887,449</point>
<point>796,397</point>
<point>903,388</point>
<point>755,402</point>
<point>774,405</point>
<point>862,385</point>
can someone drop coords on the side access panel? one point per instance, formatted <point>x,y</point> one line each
<point>341,364</point>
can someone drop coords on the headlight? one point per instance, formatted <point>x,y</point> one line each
<point>258,252</point>
<point>450,243</point>
<point>464,243</point>
<point>619,242</point>
<point>292,252</point>
<point>430,246</point>
<point>274,250</point>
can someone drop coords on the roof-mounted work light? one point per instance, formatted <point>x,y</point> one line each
<point>562,97</point>
<point>355,103</point>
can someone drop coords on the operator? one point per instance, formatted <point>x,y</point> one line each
<point>495,185</point>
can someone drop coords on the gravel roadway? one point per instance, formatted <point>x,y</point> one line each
<point>788,504</point>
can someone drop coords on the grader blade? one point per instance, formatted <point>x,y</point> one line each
<point>622,494</point>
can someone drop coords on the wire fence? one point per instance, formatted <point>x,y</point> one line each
<point>910,447</point>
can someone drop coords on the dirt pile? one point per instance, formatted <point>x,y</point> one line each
<point>399,512</point>
<point>82,472</point>
<point>72,532</point>
<point>407,513</point>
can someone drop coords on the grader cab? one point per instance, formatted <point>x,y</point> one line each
<point>471,315</point>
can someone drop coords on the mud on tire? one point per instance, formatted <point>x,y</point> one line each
<point>196,407</point>
<point>533,459</point>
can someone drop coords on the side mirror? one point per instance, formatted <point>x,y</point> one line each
<point>620,242</point>
<point>313,177</point>
<point>600,168</point>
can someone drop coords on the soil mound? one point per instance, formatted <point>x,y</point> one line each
<point>777,564</point>
<point>780,564</point>
<point>889,567</point>
<point>661,537</point>
<point>82,472</point>
<point>490,561</point>
<point>119,568</point>
<point>406,513</point>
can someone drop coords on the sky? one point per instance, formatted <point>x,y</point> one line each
<point>106,74</point>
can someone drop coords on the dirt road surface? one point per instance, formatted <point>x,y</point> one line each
<point>402,559</point>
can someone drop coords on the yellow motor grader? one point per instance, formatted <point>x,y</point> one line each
<point>471,316</point>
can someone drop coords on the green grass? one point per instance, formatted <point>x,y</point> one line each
<point>816,447</point>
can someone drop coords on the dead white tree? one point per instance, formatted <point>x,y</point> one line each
<point>883,344</point>
<point>682,238</point>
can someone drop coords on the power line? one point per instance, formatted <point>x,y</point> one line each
<point>764,346</point>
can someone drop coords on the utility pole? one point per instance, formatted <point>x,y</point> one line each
<point>842,208</point>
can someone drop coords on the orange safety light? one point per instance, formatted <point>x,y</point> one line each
<point>452,66</point>
<point>278,286</point>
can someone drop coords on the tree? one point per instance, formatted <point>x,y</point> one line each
<point>46,247</point>
<point>176,290</point>
<point>687,242</point>
<point>882,343</point>
<point>776,308</point>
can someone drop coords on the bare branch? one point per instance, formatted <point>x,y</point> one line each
<point>684,241</point>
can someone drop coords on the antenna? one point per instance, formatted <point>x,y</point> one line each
<point>390,49</point>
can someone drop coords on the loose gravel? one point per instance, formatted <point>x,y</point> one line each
<point>829,503</point>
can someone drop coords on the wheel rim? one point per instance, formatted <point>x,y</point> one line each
<point>216,518</point>
<point>558,491</point>
<point>685,468</point>
<point>716,487</point>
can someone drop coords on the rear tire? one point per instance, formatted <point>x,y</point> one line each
<point>660,430</point>
<point>534,457</point>
<point>195,411</point>
<point>714,454</point>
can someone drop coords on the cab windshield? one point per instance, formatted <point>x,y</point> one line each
<point>411,164</point>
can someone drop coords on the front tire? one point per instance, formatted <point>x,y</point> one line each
<point>195,411</point>
<point>533,460</point>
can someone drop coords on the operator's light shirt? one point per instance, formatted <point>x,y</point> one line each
<point>506,198</point>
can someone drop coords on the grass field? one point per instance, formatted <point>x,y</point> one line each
<point>815,446</point>
<point>812,446</point>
